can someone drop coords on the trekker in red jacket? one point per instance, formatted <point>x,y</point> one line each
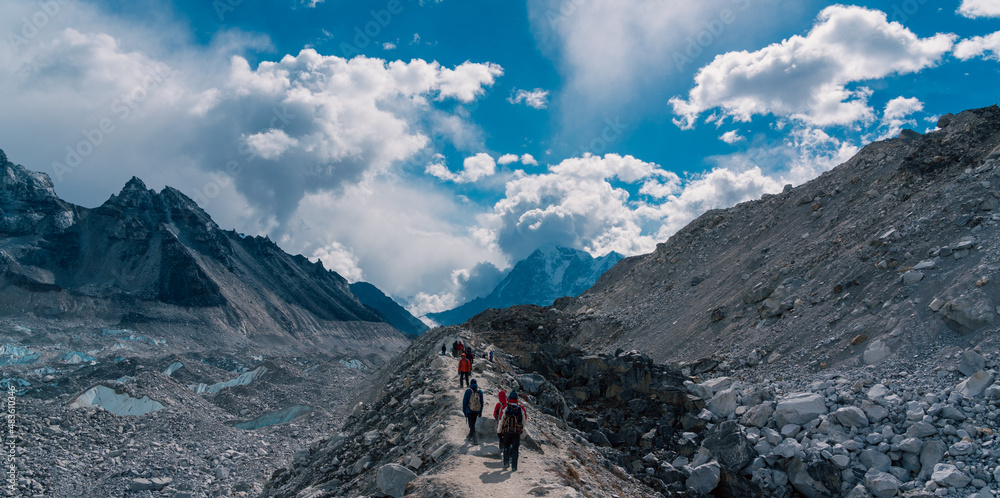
<point>464,371</point>
<point>497,412</point>
<point>511,425</point>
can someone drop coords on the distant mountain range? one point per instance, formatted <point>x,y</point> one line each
<point>547,274</point>
<point>396,315</point>
<point>156,261</point>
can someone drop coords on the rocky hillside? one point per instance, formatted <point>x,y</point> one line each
<point>880,257</point>
<point>407,436</point>
<point>156,261</point>
<point>396,315</point>
<point>837,339</point>
<point>547,274</point>
<point>622,425</point>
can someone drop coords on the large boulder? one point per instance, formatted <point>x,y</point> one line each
<point>704,478</point>
<point>816,480</point>
<point>638,379</point>
<point>882,484</point>
<point>486,425</point>
<point>875,460</point>
<point>948,475</point>
<point>971,362</point>
<point>728,444</point>
<point>921,429</point>
<point>851,416</point>
<point>393,478</point>
<point>930,455</point>
<point>757,416</point>
<point>966,314</point>
<point>975,385</point>
<point>876,352</point>
<point>591,366</point>
<point>718,384</point>
<point>532,383</point>
<point>757,294</point>
<point>799,408</point>
<point>553,403</point>
<point>723,404</point>
<point>154,484</point>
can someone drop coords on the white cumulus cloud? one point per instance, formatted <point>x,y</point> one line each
<point>340,259</point>
<point>467,81</point>
<point>474,169</point>
<point>537,98</point>
<point>732,137</point>
<point>987,47</point>
<point>806,77</point>
<point>409,237</point>
<point>508,159</point>
<point>574,204</point>
<point>980,8</point>
<point>270,144</point>
<point>897,115</point>
<point>307,148</point>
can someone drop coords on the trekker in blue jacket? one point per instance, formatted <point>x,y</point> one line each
<point>472,407</point>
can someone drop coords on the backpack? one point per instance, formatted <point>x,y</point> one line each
<point>513,422</point>
<point>476,402</point>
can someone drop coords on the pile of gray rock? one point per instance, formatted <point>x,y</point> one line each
<point>858,434</point>
<point>72,444</point>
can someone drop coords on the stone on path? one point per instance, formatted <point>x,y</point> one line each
<point>393,478</point>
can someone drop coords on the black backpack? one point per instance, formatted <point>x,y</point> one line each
<point>513,422</point>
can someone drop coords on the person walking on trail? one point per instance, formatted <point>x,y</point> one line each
<point>470,355</point>
<point>454,349</point>
<point>511,426</point>
<point>491,356</point>
<point>444,349</point>
<point>464,371</point>
<point>497,412</point>
<point>499,407</point>
<point>472,407</point>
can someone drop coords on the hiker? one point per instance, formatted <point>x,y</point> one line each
<point>497,412</point>
<point>511,426</point>
<point>444,349</point>
<point>499,407</point>
<point>472,407</point>
<point>491,356</point>
<point>454,349</point>
<point>464,371</point>
<point>461,347</point>
<point>470,355</point>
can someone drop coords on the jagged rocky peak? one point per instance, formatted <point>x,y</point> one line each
<point>133,195</point>
<point>175,199</point>
<point>20,184</point>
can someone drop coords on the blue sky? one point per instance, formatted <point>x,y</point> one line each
<point>427,146</point>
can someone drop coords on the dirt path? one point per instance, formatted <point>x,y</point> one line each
<point>476,470</point>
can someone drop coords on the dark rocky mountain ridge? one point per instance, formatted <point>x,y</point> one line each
<point>396,315</point>
<point>159,260</point>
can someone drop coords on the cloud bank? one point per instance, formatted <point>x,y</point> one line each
<point>807,78</point>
